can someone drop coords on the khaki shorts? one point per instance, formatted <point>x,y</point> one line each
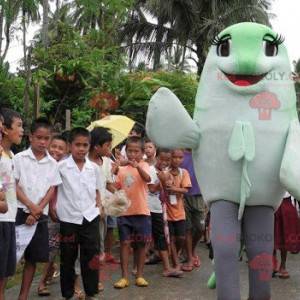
<point>195,210</point>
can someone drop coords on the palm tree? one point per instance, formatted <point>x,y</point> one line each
<point>29,13</point>
<point>189,23</point>
<point>45,23</point>
<point>8,13</point>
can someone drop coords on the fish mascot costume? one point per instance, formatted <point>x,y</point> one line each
<point>245,138</point>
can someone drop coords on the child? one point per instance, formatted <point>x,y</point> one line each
<point>99,153</point>
<point>150,152</point>
<point>135,224</point>
<point>12,133</point>
<point>78,202</point>
<point>195,215</point>
<point>178,185</point>
<point>58,149</point>
<point>36,174</point>
<point>163,159</point>
<point>286,233</point>
<point>3,203</point>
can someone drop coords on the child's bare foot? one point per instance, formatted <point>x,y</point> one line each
<point>283,273</point>
<point>173,273</point>
<point>79,294</point>
<point>100,287</point>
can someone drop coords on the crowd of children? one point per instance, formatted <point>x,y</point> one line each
<point>68,177</point>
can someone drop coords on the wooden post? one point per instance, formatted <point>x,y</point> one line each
<point>36,103</point>
<point>68,119</point>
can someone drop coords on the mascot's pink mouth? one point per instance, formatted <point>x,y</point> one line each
<point>244,80</point>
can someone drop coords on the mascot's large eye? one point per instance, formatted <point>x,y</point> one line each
<point>223,48</point>
<point>271,48</point>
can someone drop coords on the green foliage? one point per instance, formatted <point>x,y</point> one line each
<point>75,69</point>
<point>140,86</point>
<point>11,89</point>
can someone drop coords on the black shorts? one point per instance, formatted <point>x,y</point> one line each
<point>7,249</point>
<point>38,248</point>
<point>195,213</point>
<point>177,228</point>
<point>135,229</point>
<point>158,231</point>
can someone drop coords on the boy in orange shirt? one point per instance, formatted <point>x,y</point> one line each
<point>177,186</point>
<point>135,224</point>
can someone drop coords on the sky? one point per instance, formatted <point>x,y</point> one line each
<point>286,22</point>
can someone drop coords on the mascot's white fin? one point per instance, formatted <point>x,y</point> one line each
<point>290,165</point>
<point>242,146</point>
<point>168,124</point>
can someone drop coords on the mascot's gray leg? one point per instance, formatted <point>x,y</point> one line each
<point>225,237</point>
<point>258,234</point>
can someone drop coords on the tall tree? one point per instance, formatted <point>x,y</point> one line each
<point>30,13</point>
<point>8,13</point>
<point>45,22</point>
<point>190,23</point>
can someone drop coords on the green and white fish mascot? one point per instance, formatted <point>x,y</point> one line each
<point>245,138</point>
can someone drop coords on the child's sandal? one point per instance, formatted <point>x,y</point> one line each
<point>122,283</point>
<point>141,282</point>
<point>283,274</point>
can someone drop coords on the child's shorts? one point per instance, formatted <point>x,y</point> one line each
<point>195,213</point>
<point>177,228</point>
<point>158,231</point>
<point>38,248</point>
<point>7,249</point>
<point>111,222</point>
<point>136,229</point>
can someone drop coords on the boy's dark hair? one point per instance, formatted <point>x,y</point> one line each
<point>139,129</point>
<point>60,137</point>
<point>8,116</point>
<point>78,131</point>
<point>40,123</point>
<point>99,136</point>
<point>135,140</point>
<point>147,140</point>
<point>162,150</point>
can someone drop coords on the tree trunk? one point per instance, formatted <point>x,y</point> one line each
<point>183,57</point>
<point>158,43</point>
<point>26,89</point>
<point>45,23</point>
<point>201,58</point>
<point>1,29</point>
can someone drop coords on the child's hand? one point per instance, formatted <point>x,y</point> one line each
<point>133,163</point>
<point>35,210</point>
<point>101,212</point>
<point>115,167</point>
<point>172,188</point>
<point>53,215</point>
<point>3,203</point>
<point>30,220</point>
<point>2,195</point>
<point>1,150</point>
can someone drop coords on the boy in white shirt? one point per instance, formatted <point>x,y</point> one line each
<point>78,203</point>
<point>36,173</point>
<point>12,133</point>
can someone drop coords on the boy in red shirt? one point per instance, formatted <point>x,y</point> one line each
<point>135,224</point>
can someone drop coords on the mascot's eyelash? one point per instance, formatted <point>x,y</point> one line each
<point>217,41</point>
<point>279,39</point>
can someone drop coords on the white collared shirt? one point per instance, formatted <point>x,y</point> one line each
<point>76,197</point>
<point>9,186</point>
<point>35,177</point>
